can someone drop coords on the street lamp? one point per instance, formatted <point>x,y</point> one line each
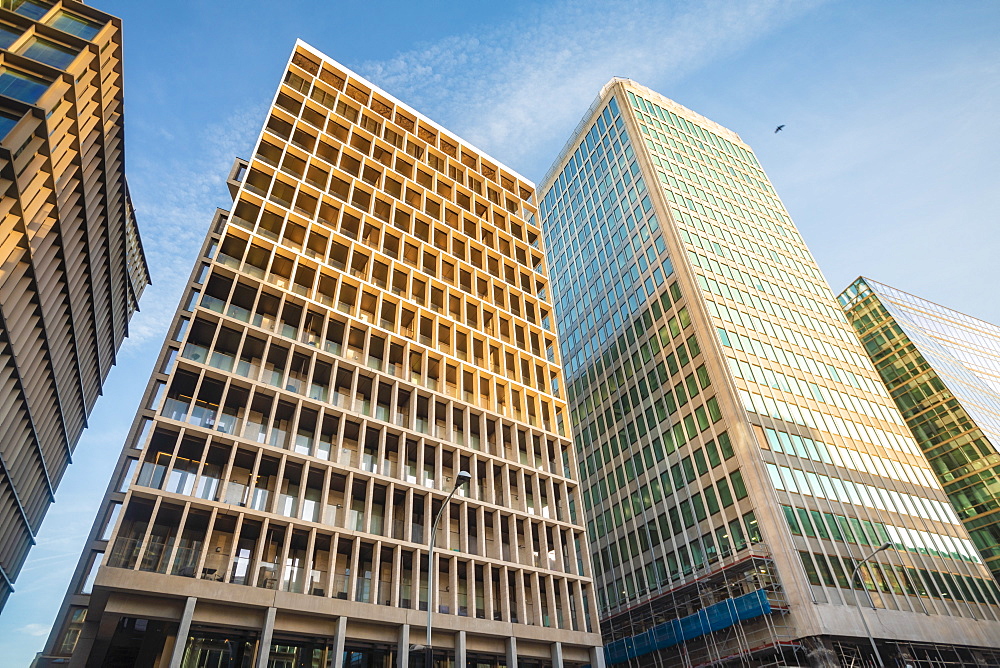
<point>854,574</point>
<point>463,478</point>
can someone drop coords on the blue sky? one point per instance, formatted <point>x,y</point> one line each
<point>888,162</point>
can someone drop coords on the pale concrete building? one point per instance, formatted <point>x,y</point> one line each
<point>739,453</point>
<point>369,323</point>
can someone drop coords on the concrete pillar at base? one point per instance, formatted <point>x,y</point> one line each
<point>512,653</point>
<point>557,659</point>
<point>460,649</point>
<point>180,644</point>
<point>403,647</point>
<point>596,657</point>
<point>339,634</point>
<point>264,646</point>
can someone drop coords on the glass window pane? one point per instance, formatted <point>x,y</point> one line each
<point>7,35</point>
<point>75,25</point>
<point>88,584</point>
<point>50,53</point>
<point>109,525</point>
<point>22,87</point>
<point>7,122</point>
<point>30,8</point>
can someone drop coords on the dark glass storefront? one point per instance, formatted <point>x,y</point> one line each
<point>209,648</point>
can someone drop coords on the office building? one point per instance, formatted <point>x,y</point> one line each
<point>73,267</point>
<point>368,322</point>
<point>739,453</point>
<point>942,368</point>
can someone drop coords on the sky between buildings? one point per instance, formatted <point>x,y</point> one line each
<point>888,162</point>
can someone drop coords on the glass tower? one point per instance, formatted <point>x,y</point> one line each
<point>72,262</point>
<point>370,321</point>
<point>739,454</point>
<point>942,369</point>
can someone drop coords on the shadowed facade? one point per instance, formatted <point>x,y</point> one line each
<point>72,263</point>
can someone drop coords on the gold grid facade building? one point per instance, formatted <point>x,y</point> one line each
<point>942,368</point>
<point>72,264</point>
<point>739,453</point>
<point>370,319</point>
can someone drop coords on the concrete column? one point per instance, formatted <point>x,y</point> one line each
<point>512,653</point>
<point>596,657</point>
<point>339,634</point>
<point>402,647</point>
<point>505,594</point>
<point>182,633</point>
<point>460,649</point>
<point>557,657</point>
<point>264,646</point>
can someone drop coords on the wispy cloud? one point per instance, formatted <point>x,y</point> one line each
<point>36,630</point>
<point>902,187</point>
<point>518,89</point>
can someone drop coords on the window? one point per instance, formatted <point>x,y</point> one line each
<point>109,524</point>
<point>95,564</point>
<point>33,9</point>
<point>50,53</point>
<point>713,409</point>
<point>810,567</point>
<point>22,87</point>
<point>77,617</point>
<point>713,451</point>
<point>725,495</point>
<point>124,481</point>
<point>7,122</point>
<point>753,530</point>
<point>75,25</point>
<point>143,434</point>
<point>739,487</point>
<point>725,445</point>
<point>7,35</point>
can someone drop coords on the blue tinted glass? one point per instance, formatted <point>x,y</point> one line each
<point>75,25</point>
<point>7,35</point>
<point>31,8</point>
<point>50,53</point>
<point>21,86</point>
<point>6,123</point>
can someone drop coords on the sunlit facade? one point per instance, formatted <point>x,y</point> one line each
<point>369,320</point>
<point>739,452</point>
<point>71,264</point>
<point>942,368</point>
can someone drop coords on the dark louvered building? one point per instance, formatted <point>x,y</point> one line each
<point>72,262</point>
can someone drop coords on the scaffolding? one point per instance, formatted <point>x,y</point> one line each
<point>734,615</point>
<point>915,655</point>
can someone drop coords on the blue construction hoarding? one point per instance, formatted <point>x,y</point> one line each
<point>713,618</point>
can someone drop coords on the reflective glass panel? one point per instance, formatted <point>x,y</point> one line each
<point>75,25</point>
<point>7,121</point>
<point>50,53</point>
<point>22,87</point>
<point>7,35</point>
<point>31,8</point>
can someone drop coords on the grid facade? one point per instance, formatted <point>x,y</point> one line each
<point>72,262</point>
<point>739,453</point>
<point>369,320</point>
<point>942,368</point>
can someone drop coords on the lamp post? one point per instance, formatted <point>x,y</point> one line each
<point>463,478</point>
<point>854,574</point>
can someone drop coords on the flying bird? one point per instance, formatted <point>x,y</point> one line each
<point>779,129</point>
